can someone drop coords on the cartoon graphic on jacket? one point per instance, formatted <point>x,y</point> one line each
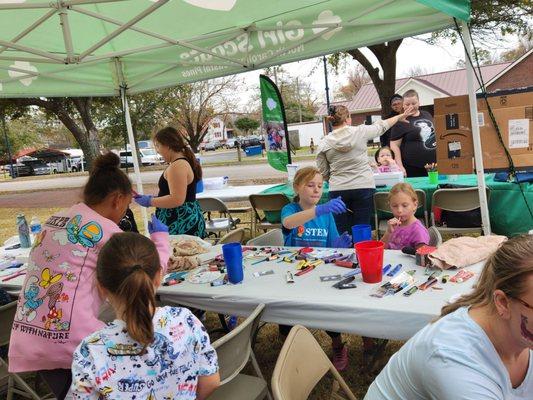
<point>59,303</point>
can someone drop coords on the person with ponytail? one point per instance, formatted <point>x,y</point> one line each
<point>59,303</point>
<point>481,346</point>
<point>342,159</point>
<point>176,203</point>
<point>147,352</point>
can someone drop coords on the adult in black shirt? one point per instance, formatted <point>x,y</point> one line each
<point>176,204</point>
<point>396,103</point>
<point>414,144</point>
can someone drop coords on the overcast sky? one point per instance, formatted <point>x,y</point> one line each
<point>412,52</point>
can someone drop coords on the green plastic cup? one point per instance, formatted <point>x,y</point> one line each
<point>433,177</point>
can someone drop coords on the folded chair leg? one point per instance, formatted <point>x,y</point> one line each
<point>258,372</point>
<point>10,385</point>
<point>27,390</point>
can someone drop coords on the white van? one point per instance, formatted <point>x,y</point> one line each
<point>148,157</point>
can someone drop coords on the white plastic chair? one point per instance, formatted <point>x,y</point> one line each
<point>273,237</point>
<point>234,351</point>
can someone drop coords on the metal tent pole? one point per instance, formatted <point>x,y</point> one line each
<point>136,168</point>
<point>328,125</point>
<point>478,154</point>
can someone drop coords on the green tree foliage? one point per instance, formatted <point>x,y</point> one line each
<point>74,112</point>
<point>22,132</point>
<point>246,124</point>
<point>147,112</point>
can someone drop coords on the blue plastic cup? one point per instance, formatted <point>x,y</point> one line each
<point>233,258</point>
<point>361,233</point>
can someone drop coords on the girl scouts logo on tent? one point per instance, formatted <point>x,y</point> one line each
<point>22,68</point>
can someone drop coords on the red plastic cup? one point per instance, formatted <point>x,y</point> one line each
<point>370,256</point>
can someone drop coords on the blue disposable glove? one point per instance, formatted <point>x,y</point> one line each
<point>155,225</point>
<point>335,206</point>
<point>143,200</point>
<point>344,241</point>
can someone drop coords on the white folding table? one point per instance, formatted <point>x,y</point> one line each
<point>317,304</point>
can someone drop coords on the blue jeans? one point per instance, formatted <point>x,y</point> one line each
<point>360,201</point>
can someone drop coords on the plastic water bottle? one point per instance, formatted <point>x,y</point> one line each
<point>24,231</point>
<point>35,228</point>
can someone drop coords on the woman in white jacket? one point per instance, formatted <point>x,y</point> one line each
<point>342,159</point>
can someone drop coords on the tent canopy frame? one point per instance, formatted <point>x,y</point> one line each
<point>73,58</point>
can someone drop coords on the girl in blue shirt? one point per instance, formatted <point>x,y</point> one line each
<point>307,223</point>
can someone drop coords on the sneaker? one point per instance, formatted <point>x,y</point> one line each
<point>340,358</point>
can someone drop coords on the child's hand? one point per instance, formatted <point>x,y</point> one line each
<point>335,206</point>
<point>393,223</point>
<point>344,241</point>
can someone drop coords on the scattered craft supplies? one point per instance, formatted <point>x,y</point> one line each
<point>329,278</point>
<point>263,273</point>
<point>395,285</point>
<point>346,283</point>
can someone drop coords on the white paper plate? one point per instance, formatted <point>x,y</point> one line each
<point>203,275</point>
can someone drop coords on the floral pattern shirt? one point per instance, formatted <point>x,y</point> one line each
<point>110,365</point>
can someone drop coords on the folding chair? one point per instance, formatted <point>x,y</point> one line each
<point>381,204</point>
<point>234,351</point>
<point>234,236</point>
<point>301,365</point>
<point>435,238</point>
<point>457,200</point>
<point>273,237</point>
<point>267,203</point>
<point>15,382</point>
<point>217,225</point>
<point>247,210</point>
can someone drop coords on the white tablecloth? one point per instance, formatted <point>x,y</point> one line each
<point>316,304</point>
<point>234,193</point>
<point>14,285</point>
<point>309,301</point>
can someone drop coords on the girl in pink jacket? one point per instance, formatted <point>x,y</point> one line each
<point>59,302</point>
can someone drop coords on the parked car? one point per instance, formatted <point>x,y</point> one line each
<point>249,143</point>
<point>148,157</point>
<point>37,167</point>
<point>231,144</point>
<point>19,169</point>
<point>213,145</point>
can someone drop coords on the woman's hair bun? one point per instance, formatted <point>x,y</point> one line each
<point>105,161</point>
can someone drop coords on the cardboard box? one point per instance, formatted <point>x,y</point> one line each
<point>513,111</point>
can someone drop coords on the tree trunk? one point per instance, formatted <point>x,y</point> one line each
<point>386,86</point>
<point>90,133</point>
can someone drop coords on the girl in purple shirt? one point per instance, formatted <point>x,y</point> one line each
<point>404,229</point>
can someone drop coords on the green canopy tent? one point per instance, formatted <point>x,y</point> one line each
<point>119,47</point>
